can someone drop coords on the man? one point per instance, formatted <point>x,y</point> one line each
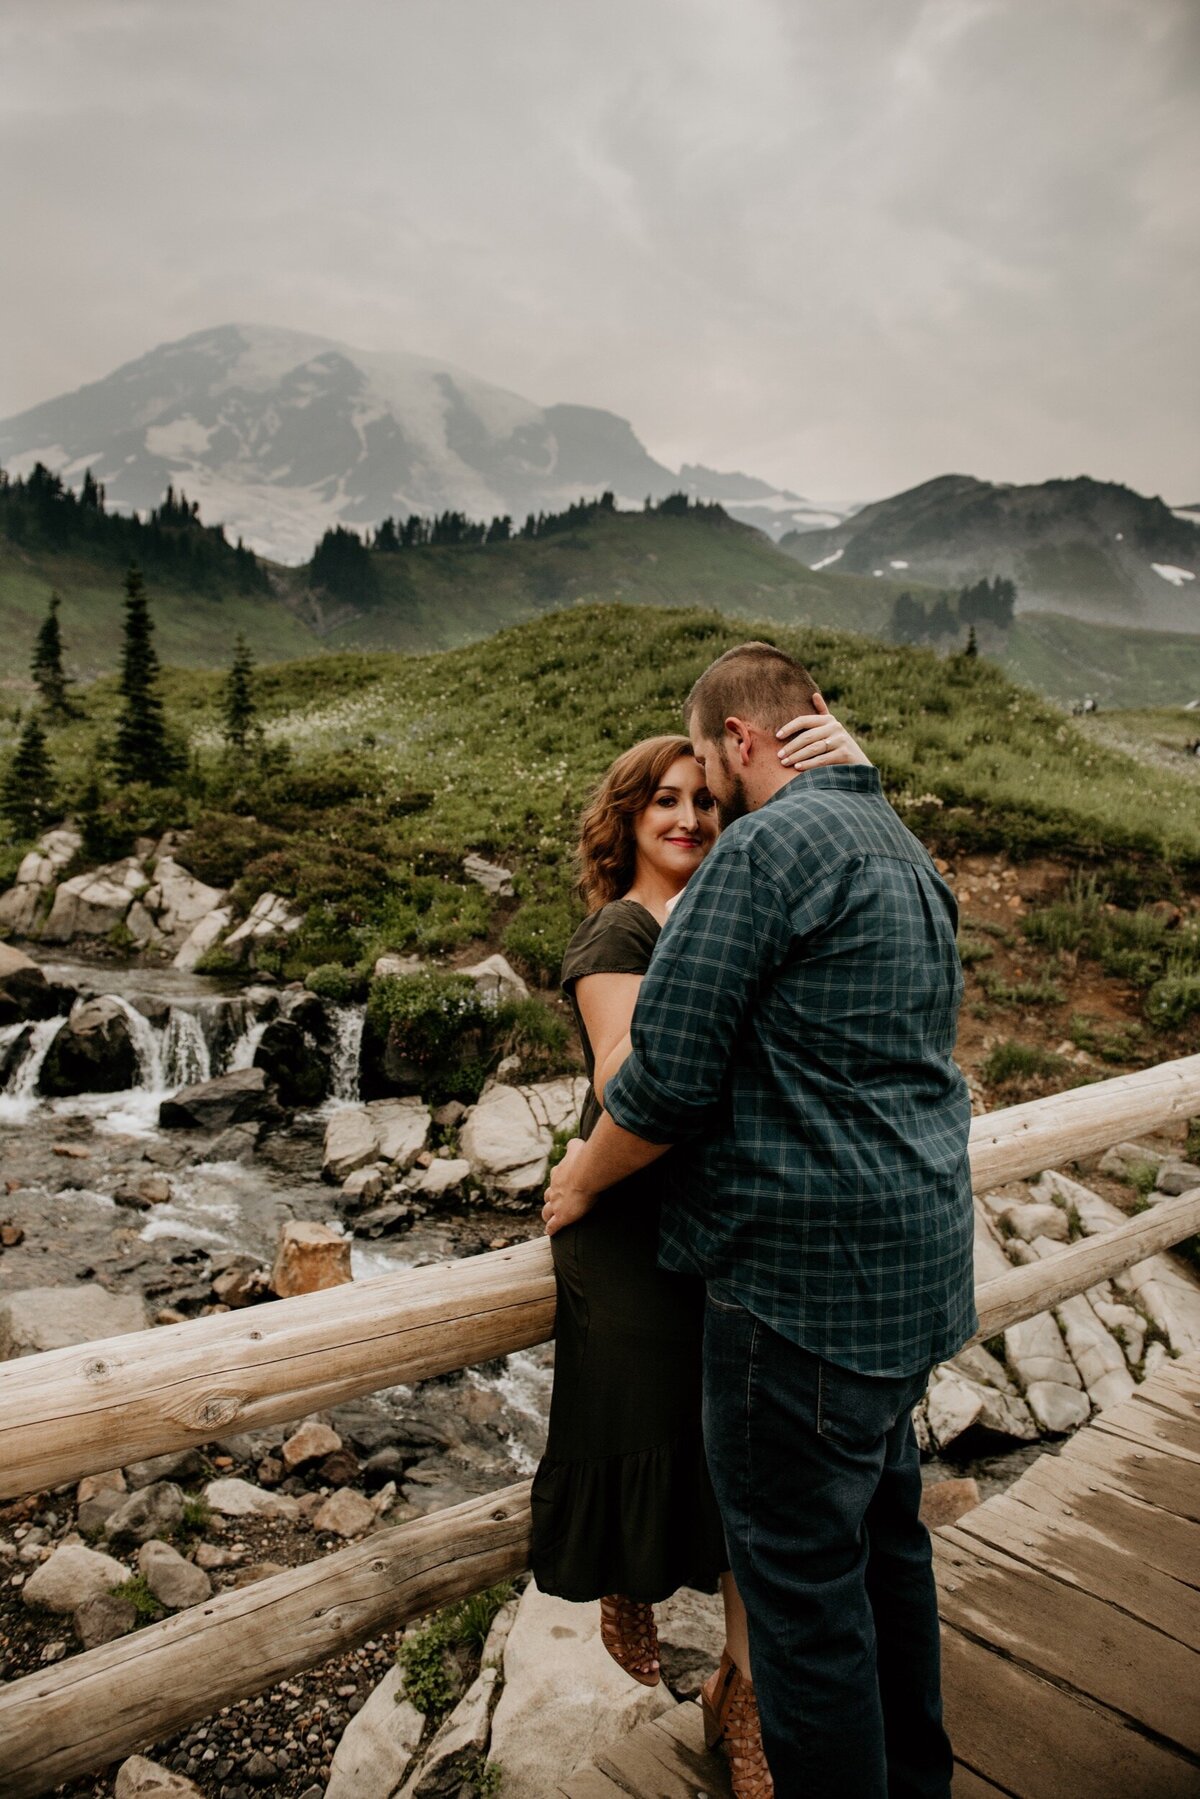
<point>794,1036</point>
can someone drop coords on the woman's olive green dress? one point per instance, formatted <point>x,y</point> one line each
<point>622,1501</point>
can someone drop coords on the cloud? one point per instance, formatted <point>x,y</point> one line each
<point>846,246</point>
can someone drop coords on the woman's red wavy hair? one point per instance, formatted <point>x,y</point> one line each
<point>607,854</point>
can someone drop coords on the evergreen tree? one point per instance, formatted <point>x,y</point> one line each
<point>48,667</point>
<point>237,700</point>
<point>972,648</point>
<point>142,751</point>
<point>27,791</point>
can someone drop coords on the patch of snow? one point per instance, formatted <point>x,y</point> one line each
<point>182,437</point>
<point>828,561</point>
<point>1189,514</point>
<point>876,571</point>
<point>897,565</point>
<point>1176,576</point>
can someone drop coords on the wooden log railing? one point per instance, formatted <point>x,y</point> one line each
<point>104,1404</point>
<point>82,1713</point>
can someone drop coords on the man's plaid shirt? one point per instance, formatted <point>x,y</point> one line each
<point>794,1036</point>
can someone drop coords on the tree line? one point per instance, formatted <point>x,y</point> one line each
<point>41,511</point>
<point>143,750</point>
<point>985,604</point>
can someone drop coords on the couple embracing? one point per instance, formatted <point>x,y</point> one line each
<point>763,1239</point>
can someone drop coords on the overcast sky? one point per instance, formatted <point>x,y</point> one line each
<point>844,244</point>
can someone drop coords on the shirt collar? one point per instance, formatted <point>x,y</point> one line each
<point>853,779</point>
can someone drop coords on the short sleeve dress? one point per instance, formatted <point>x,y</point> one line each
<point>622,1501</point>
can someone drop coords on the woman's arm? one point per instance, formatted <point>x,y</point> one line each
<point>606,1002</point>
<point>818,740</point>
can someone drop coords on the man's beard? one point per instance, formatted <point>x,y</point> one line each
<point>736,803</point>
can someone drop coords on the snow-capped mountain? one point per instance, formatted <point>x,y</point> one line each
<point>279,435</point>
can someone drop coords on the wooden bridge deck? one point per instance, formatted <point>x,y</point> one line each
<point>1070,1627</point>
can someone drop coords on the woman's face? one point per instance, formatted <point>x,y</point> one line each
<point>677,829</point>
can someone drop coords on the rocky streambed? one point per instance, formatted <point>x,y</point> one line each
<point>204,1179</point>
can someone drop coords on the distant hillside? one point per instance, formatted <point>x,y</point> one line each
<point>1090,549</point>
<point>280,434</point>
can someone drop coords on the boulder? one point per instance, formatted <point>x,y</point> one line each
<point>139,1778</point>
<point>364,1185</point>
<point>178,1465</point>
<point>177,901</point>
<point>1170,1297</point>
<point>175,1582</point>
<point>396,965</point>
<point>233,1498</point>
<point>90,905</point>
<point>378,1745</point>
<point>564,1698</point>
<point>1095,1213</point>
<point>1124,1160</point>
<point>1095,1352</point>
<point>402,1127</point>
<point>59,847</point>
<point>496,981</point>
<point>237,1287</point>
<point>293,1063</point>
<point>1177,1177</point>
<point>344,1514</point>
<point>141,1191</point>
<point>444,1175</point>
<point>310,1258</point>
<point>691,1635</point>
<point>1033,1220</point>
<point>1058,1408</point>
<point>92,1052</point>
<point>72,1575</point>
<point>25,993</point>
<point>33,1319</point>
<point>153,1511</point>
<point>242,1095</point>
<point>104,1618</point>
<point>201,938</point>
<point>351,1141</point>
<point>19,908</point>
<point>490,876</point>
<point>508,1136</point>
<point>269,922</point>
<point>310,1443</point>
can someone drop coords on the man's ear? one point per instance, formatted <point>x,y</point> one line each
<point>818,704</point>
<point>742,737</point>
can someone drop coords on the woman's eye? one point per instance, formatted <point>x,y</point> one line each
<point>666,799</point>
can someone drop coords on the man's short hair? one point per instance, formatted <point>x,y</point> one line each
<point>755,681</point>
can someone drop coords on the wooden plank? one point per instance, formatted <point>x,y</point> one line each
<point>683,1730</point>
<point>1182,1374</point>
<point>1158,1430</point>
<point>1037,1740</point>
<point>1073,1491</point>
<point>966,1784</point>
<point>94,1708</point>
<point>1161,1480</point>
<point>1070,1551</point>
<point>1181,1401</point>
<point>652,1765</point>
<point>1068,1636</point>
<point>1040,1285</point>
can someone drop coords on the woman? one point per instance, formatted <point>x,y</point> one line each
<point>623,1510</point>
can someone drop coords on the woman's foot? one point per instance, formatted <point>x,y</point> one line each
<point>628,1632</point>
<point>731,1717</point>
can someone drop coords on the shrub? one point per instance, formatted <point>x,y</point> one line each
<point>538,936</point>
<point>529,1029</point>
<point>438,1023</point>
<point>970,951</point>
<point>333,981</point>
<point>1010,1062</point>
<point>1121,1044</point>
<point>224,843</point>
<point>1020,993</point>
<point>432,1657</point>
<point>1174,999</point>
<point>136,1589</point>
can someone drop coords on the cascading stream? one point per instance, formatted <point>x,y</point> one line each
<point>348,1024</point>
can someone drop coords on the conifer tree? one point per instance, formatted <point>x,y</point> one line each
<point>142,751</point>
<point>972,648</point>
<point>237,699</point>
<point>27,791</point>
<point>48,667</point>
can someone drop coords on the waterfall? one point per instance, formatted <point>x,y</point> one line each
<point>185,1052</point>
<point>243,1050</point>
<point>20,1095</point>
<point>147,1045</point>
<point>347,1045</point>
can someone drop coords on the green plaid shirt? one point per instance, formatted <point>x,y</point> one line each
<point>794,1035</point>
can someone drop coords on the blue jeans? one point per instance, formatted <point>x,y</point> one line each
<point>818,1480</point>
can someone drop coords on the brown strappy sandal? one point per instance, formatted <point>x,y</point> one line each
<point>731,1717</point>
<point>628,1632</point>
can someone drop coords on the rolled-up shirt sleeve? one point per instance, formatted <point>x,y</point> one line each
<point>726,936</point>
